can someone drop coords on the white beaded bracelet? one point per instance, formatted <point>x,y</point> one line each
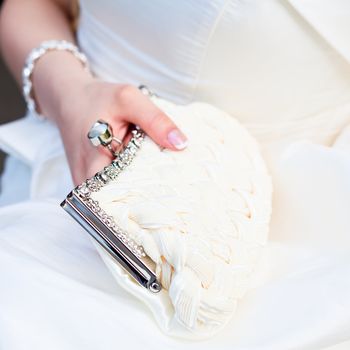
<point>28,68</point>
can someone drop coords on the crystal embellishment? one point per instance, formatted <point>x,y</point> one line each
<point>110,172</point>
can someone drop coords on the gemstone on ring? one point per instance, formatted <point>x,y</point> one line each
<point>100,133</point>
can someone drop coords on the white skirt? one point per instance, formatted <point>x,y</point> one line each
<point>56,293</point>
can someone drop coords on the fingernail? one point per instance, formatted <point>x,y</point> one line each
<point>177,139</point>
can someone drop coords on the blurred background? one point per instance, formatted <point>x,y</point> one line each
<point>11,103</point>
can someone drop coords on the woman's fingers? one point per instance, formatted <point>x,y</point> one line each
<point>98,162</point>
<point>100,156</point>
<point>140,110</point>
<point>126,104</point>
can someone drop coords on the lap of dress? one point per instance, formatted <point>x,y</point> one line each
<point>56,293</point>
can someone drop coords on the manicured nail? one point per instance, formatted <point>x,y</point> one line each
<point>177,138</point>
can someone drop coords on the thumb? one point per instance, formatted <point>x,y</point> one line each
<point>144,113</point>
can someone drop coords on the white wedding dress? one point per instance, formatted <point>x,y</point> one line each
<point>282,68</point>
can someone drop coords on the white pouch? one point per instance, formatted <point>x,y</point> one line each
<point>200,215</point>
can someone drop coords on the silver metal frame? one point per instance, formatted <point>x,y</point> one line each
<point>102,227</point>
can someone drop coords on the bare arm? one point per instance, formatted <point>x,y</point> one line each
<point>68,94</point>
<point>23,26</point>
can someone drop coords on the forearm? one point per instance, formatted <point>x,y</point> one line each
<point>23,26</point>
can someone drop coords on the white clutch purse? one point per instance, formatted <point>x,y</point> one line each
<point>182,230</point>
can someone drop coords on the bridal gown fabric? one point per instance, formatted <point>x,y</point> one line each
<point>282,68</point>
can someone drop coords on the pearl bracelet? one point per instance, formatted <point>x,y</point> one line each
<point>28,68</point>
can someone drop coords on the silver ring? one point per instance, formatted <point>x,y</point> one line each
<point>101,133</point>
<point>146,91</point>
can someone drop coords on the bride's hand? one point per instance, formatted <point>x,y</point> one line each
<point>119,105</point>
<point>68,94</point>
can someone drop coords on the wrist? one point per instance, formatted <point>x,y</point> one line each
<point>56,76</point>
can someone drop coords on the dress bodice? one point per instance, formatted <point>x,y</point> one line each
<point>265,62</point>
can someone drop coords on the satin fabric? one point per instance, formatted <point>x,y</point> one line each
<point>282,68</point>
